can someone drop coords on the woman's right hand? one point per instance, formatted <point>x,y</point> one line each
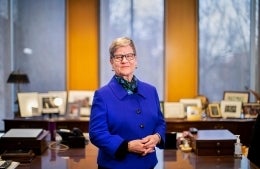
<point>138,146</point>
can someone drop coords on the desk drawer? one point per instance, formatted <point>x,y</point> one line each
<point>214,148</point>
<point>214,142</point>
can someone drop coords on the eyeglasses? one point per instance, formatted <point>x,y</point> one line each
<point>119,58</point>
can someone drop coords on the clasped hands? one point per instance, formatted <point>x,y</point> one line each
<point>145,145</point>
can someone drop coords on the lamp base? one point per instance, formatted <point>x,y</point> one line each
<point>17,109</point>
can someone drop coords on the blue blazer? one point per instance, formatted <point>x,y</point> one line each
<point>117,116</point>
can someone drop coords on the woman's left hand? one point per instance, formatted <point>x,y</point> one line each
<point>150,143</point>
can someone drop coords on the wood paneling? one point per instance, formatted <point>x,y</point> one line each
<point>181,49</point>
<point>82,44</point>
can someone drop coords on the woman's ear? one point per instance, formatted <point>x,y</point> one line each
<point>111,62</point>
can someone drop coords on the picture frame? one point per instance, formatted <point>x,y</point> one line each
<point>28,104</point>
<point>82,97</point>
<point>190,102</point>
<point>47,103</point>
<point>63,100</point>
<point>242,96</point>
<point>194,113</point>
<point>73,110</point>
<point>173,110</point>
<point>251,110</point>
<point>214,110</point>
<point>231,109</point>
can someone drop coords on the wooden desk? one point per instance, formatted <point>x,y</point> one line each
<point>168,159</point>
<point>242,127</point>
<point>52,124</point>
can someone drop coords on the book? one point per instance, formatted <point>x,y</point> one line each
<point>22,133</point>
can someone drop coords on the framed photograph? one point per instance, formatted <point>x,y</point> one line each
<point>251,110</point>
<point>236,96</point>
<point>173,110</point>
<point>193,113</point>
<point>82,97</point>
<point>214,110</point>
<point>73,110</point>
<point>231,109</point>
<point>48,103</point>
<point>28,104</point>
<point>61,100</point>
<point>190,102</point>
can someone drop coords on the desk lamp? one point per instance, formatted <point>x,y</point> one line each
<point>17,78</point>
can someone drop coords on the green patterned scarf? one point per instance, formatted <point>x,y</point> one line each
<point>130,87</point>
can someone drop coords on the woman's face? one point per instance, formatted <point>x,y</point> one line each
<point>124,62</point>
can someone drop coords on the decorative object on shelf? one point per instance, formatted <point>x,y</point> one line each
<point>257,95</point>
<point>204,101</point>
<point>214,110</point>
<point>51,104</point>
<point>231,109</point>
<point>251,110</point>
<point>28,103</point>
<point>194,113</point>
<point>190,102</point>
<point>204,105</point>
<point>73,110</point>
<point>83,98</point>
<point>173,110</point>
<point>242,96</point>
<point>61,100</point>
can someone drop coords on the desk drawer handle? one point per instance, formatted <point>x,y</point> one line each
<point>218,152</point>
<point>218,127</point>
<point>218,144</point>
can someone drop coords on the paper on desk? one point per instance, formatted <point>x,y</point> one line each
<point>12,166</point>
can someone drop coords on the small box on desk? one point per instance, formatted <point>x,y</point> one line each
<point>214,143</point>
<point>170,140</point>
<point>25,139</point>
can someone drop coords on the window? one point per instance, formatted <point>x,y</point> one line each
<point>32,40</point>
<point>141,20</point>
<point>5,62</point>
<point>227,47</point>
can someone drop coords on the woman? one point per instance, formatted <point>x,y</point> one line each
<point>126,122</point>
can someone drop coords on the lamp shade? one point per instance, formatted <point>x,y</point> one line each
<point>18,78</point>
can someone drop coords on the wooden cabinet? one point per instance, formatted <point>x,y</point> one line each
<point>242,127</point>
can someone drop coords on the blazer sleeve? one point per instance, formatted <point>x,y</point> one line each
<point>99,130</point>
<point>161,125</point>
